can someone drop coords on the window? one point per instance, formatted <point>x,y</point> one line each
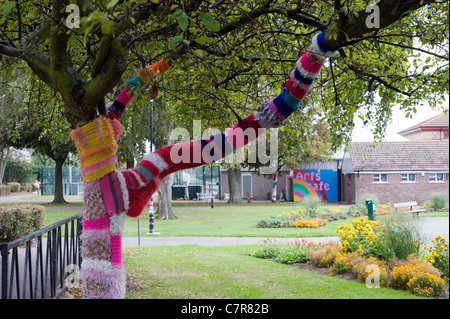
<point>380,178</point>
<point>436,177</point>
<point>445,135</point>
<point>411,178</point>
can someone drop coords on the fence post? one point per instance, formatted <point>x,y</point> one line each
<point>5,263</point>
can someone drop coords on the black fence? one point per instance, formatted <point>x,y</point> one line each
<point>37,266</point>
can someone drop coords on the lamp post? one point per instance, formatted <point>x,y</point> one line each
<point>150,211</point>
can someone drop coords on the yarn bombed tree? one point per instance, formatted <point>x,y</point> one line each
<point>111,194</point>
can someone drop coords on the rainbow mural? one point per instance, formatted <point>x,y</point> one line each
<point>319,183</point>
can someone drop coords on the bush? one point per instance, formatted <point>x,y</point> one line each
<point>311,205</point>
<point>425,284</point>
<point>357,210</point>
<point>438,200</point>
<point>402,273</point>
<point>438,256</point>
<point>292,254</point>
<point>5,190</point>
<point>364,267</point>
<point>341,265</point>
<point>19,220</point>
<point>402,239</point>
<point>365,237</point>
<point>312,223</point>
<point>284,253</point>
<point>26,188</point>
<point>273,222</point>
<point>325,256</point>
<point>15,187</point>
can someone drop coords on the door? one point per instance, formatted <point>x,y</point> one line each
<point>247,185</point>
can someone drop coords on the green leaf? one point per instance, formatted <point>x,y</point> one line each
<point>174,40</point>
<point>7,7</point>
<point>183,21</point>
<point>203,39</point>
<point>210,23</point>
<point>111,4</point>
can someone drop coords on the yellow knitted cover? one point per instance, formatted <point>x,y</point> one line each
<point>97,147</point>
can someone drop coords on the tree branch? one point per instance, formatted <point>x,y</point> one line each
<point>390,12</point>
<point>374,77</point>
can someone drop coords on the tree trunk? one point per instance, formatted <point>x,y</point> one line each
<point>234,184</point>
<point>3,159</point>
<point>59,192</point>
<point>164,210</point>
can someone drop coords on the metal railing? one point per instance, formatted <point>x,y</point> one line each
<point>36,267</point>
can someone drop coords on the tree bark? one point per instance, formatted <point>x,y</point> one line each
<point>164,210</point>
<point>3,160</point>
<point>59,191</point>
<point>234,183</point>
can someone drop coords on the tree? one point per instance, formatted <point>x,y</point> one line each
<point>228,56</point>
<point>223,44</point>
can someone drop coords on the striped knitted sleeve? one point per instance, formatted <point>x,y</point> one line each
<point>272,113</point>
<point>144,76</point>
<point>145,178</point>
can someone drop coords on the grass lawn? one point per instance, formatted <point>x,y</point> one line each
<point>219,222</point>
<point>194,272</point>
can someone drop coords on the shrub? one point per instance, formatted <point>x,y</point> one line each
<point>363,236</point>
<point>5,190</point>
<point>363,267</point>
<point>272,222</point>
<point>311,206</point>
<point>438,200</point>
<point>15,187</point>
<point>341,265</point>
<point>284,253</point>
<point>18,220</point>
<point>26,188</point>
<point>425,284</point>
<point>402,239</point>
<point>325,256</point>
<point>312,223</point>
<point>292,254</point>
<point>402,273</point>
<point>357,210</point>
<point>438,256</point>
<point>383,209</point>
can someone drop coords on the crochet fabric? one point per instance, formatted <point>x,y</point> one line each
<point>110,194</point>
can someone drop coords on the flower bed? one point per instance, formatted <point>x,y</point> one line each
<point>311,217</point>
<point>366,252</point>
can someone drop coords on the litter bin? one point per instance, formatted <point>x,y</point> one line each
<point>370,208</point>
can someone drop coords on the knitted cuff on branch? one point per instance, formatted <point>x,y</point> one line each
<point>273,113</point>
<point>97,147</point>
<point>144,76</point>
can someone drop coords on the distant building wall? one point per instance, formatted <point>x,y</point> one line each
<point>394,190</point>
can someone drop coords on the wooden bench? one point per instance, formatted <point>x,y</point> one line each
<point>412,208</point>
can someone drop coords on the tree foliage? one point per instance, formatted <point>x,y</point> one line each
<point>227,57</point>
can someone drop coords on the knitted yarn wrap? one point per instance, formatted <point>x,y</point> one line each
<point>97,147</point>
<point>110,194</point>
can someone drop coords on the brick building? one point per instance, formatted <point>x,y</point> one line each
<point>434,129</point>
<point>395,171</point>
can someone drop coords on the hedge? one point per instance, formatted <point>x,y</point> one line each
<point>15,187</point>
<point>19,220</point>
<point>5,190</point>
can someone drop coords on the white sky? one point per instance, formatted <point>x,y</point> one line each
<point>399,123</point>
